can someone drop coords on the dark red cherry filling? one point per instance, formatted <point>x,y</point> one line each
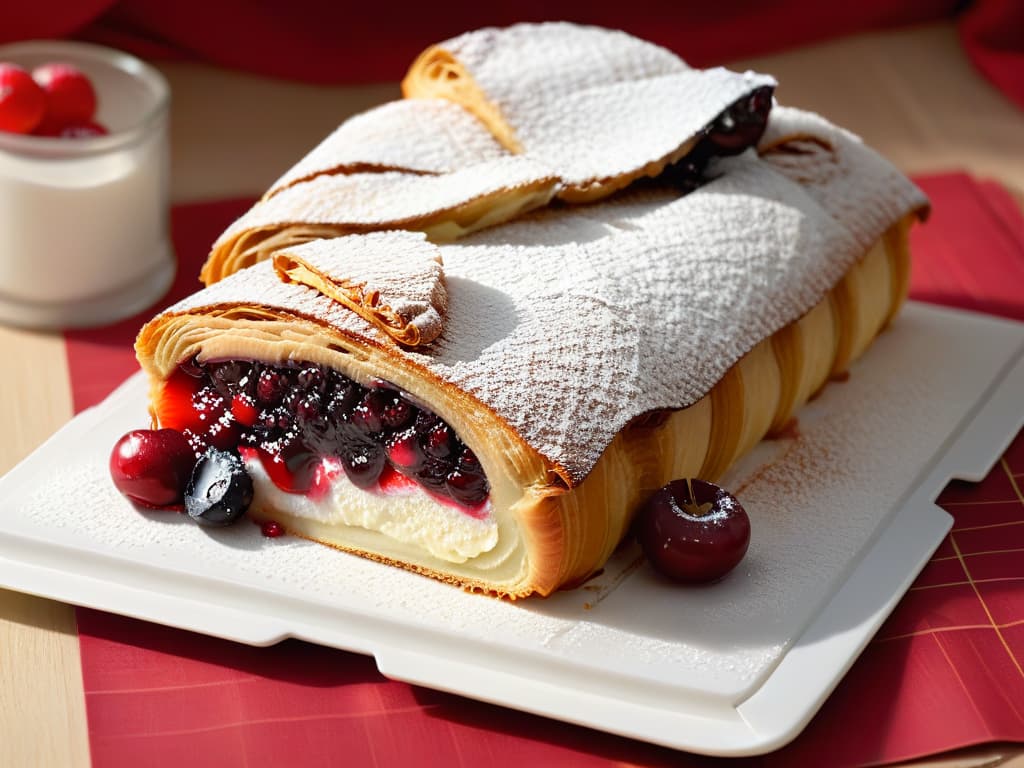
<point>736,129</point>
<point>295,414</point>
<point>742,124</point>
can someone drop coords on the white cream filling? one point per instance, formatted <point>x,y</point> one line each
<point>407,513</point>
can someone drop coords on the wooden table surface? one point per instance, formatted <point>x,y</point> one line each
<point>911,94</point>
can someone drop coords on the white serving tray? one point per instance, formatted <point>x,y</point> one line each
<point>843,519</point>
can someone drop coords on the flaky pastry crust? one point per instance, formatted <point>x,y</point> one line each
<point>554,534</point>
<point>587,355</point>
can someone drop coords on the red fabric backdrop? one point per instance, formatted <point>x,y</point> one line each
<point>992,33</point>
<point>329,42</point>
<point>323,41</point>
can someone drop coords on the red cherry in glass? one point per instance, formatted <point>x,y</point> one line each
<point>693,531</point>
<point>70,97</point>
<point>152,467</point>
<point>22,101</point>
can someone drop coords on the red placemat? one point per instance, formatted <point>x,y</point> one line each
<point>945,671</point>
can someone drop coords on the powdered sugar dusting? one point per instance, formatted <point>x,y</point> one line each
<point>639,303</point>
<point>363,201</point>
<point>590,104</point>
<point>447,138</point>
<point>409,280</point>
<point>854,185</point>
<point>615,130</point>
<point>555,58</point>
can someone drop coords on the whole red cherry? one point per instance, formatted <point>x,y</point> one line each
<point>22,101</point>
<point>70,97</point>
<point>693,531</point>
<point>152,467</point>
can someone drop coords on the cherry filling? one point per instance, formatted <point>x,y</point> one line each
<point>735,130</point>
<point>294,415</point>
<point>742,124</point>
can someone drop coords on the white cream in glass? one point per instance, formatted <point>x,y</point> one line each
<point>84,221</point>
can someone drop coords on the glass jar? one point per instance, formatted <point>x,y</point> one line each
<point>84,237</point>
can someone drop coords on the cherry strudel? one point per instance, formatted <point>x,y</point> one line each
<point>429,352</point>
